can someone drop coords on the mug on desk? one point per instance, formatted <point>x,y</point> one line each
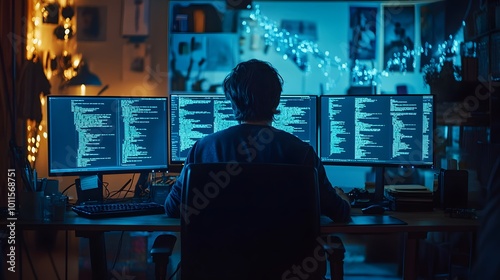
<point>54,207</point>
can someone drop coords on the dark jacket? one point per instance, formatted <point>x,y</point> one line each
<point>260,144</point>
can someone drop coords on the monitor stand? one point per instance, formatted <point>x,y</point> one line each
<point>378,196</point>
<point>366,198</point>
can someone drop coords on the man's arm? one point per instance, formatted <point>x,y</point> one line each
<point>334,203</point>
<point>173,200</point>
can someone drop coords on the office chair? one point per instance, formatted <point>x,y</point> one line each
<point>253,221</point>
<point>161,251</point>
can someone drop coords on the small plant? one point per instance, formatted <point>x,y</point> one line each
<point>441,74</point>
<point>431,73</point>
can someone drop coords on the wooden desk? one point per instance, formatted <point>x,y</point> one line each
<point>416,226</point>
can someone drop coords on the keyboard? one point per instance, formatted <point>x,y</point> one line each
<point>122,209</point>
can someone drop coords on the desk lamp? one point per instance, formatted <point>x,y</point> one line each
<point>85,78</point>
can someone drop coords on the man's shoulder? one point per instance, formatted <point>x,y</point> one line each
<point>289,137</point>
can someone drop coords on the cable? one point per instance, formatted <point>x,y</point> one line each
<point>176,270</point>
<point>118,250</point>
<point>68,187</point>
<point>120,189</point>
<point>51,258</point>
<point>105,187</point>
<point>120,199</point>
<point>130,186</point>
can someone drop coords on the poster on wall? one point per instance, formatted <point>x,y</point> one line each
<point>136,62</point>
<point>135,20</point>
<point>305,30</point>
<point>194,56</point>
<point>399,38</point>
<point>431,31</point>
<point>362,33</point>
<point>91,23</point>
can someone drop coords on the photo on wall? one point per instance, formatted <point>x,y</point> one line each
<point>136,61</point>
<point>193,56</point>
<point>305,30</point>
<point>431,31</point>
<point>91,23</point>
<point>399,38</point>
<point>135,18</point>
<point>362,33</point>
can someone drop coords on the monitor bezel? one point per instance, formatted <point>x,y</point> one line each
<point>405,164</point>
<point>102,170</point>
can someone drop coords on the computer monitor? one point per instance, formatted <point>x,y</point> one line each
<point>89,135</point>
<point>377,130</point>
<point>193,116</point>
<point>298,116</point>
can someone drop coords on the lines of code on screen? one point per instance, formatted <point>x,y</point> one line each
<point>107,134</point>
<point>195,116</point>
<point>380,129</point>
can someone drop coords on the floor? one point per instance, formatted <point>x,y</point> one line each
<point>361,262</point>
<point>367,271</point>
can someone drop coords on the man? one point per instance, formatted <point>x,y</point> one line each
<point>254,88</point>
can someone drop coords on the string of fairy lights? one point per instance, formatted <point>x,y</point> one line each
<point>62,12</point>
<point>299,50</point>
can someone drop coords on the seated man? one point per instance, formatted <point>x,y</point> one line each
<point>254,88</point>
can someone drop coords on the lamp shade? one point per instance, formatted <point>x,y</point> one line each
<point>84,77</point>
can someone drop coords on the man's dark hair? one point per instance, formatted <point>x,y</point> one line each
<point>254,88</point>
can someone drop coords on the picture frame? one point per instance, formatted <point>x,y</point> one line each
<point>136,61</point>
<point>199,58</point>
<point>432,31</point>
<point>306,30</point>
<point>399,38</point>
<point>91,23</point>
<point>135,19</point>
<point>362,32</point>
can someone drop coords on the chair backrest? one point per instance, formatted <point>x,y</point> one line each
<point>250,221</point>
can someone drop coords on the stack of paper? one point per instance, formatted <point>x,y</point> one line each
<point>412,198</point>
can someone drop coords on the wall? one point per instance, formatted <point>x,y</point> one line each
<point>332,20</point>
<point>106,59</point>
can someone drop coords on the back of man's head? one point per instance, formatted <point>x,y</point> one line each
<point>254,88</point>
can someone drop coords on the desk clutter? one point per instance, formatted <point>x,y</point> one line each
<point>462,213</point>
<point>409,198</point>
<point>42,201</point>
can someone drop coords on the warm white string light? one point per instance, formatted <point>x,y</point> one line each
<point>34,49</point>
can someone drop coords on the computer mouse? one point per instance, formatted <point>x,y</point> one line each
<point>373,209</point>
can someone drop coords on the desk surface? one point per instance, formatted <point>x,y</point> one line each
<point>414,224</point>
<point>434,221</point>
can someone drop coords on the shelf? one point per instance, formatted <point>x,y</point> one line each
<point>484,34</point>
